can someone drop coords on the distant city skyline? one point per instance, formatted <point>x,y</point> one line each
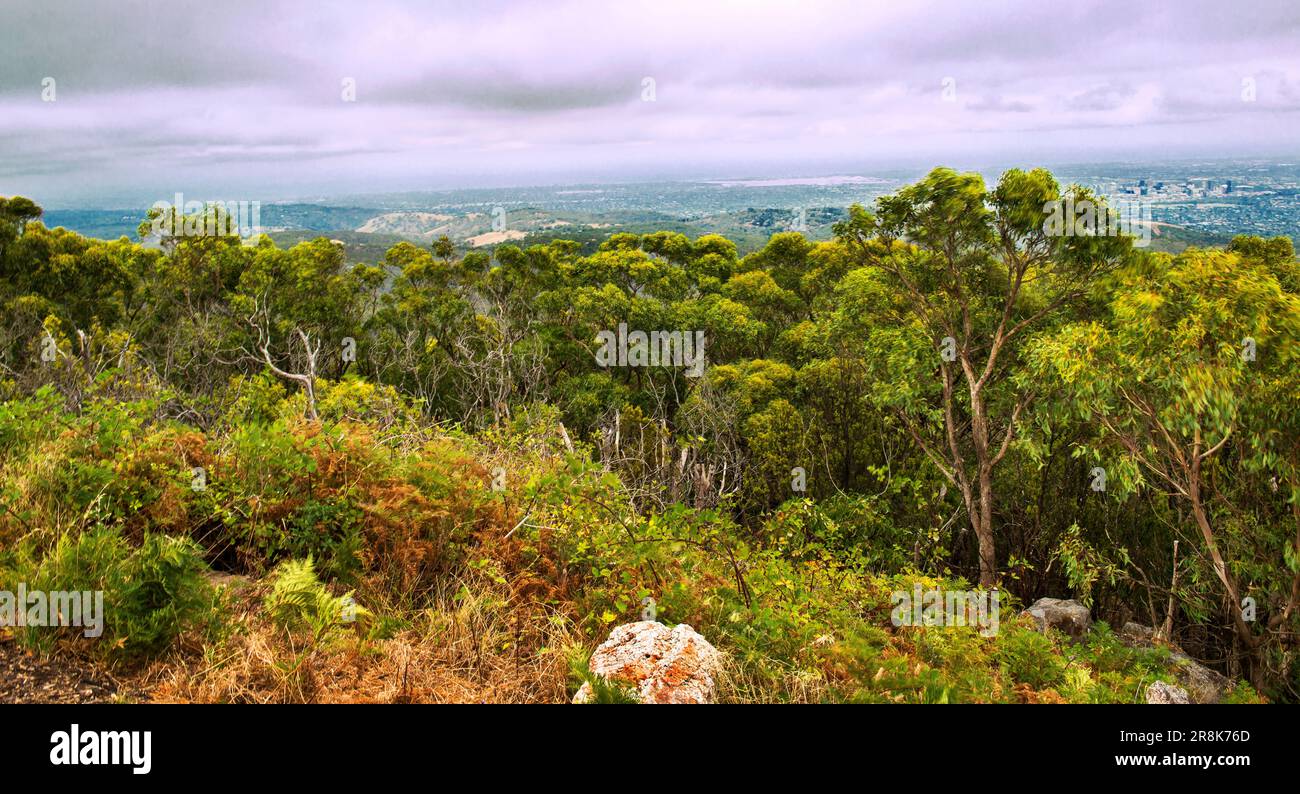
<point>105,103</point>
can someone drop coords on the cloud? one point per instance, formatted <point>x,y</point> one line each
<point>1110,96</point>
<point>998,104</point>
<point>249,94</point>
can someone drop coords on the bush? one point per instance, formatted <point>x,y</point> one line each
<point>1029,657</point>
<point>152,594</point>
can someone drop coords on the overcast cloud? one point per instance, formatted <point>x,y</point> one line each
<point>244,98</point>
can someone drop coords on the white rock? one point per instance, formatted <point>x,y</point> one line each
<point>662,665</point>
<point>1160,692</point>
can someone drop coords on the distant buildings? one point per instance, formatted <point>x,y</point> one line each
<point>1256,200</point>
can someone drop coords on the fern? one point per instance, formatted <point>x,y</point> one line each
<point>602,690</point>
<point>298,599</point>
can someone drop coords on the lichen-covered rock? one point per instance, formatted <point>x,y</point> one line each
<point>1202,684</point>
<point>1160,692</point>
<point>1136,635</point>
<point>662,665</point>
<point>1069,617</point>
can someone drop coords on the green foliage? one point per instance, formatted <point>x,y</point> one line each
<point>1030,657</point>
<point>602,691</point>
<point>298,600</point>
<point>151,594</point>
<point>1085,566</point>
<point>438,420</point>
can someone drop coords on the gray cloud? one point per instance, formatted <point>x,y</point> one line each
<point>248,93</point>
<point>997,104</point>
<point>1110,96</point>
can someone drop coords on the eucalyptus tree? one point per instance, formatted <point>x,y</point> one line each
<point>1191,382</point>
<point>953,279</point>
<point>303,310</point>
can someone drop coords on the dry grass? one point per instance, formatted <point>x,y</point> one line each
<point>736,684</point>
<point>477,643</point>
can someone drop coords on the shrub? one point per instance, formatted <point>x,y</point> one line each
<point>152,594</point>
<point>1029,657</point>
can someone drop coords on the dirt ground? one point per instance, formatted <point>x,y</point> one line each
<point>26,678</point>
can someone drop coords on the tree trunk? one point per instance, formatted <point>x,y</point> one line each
<point>1242,631</point>
<point>983,520</point>
<point>984,529</point>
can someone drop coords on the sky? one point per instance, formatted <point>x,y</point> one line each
<point>237,100</point>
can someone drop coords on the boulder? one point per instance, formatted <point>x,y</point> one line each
<point>662,665</point>
<point>1160,692</point>
<point>1069,617</point>
<point>1136,635</point>
<point>1203,685</point>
